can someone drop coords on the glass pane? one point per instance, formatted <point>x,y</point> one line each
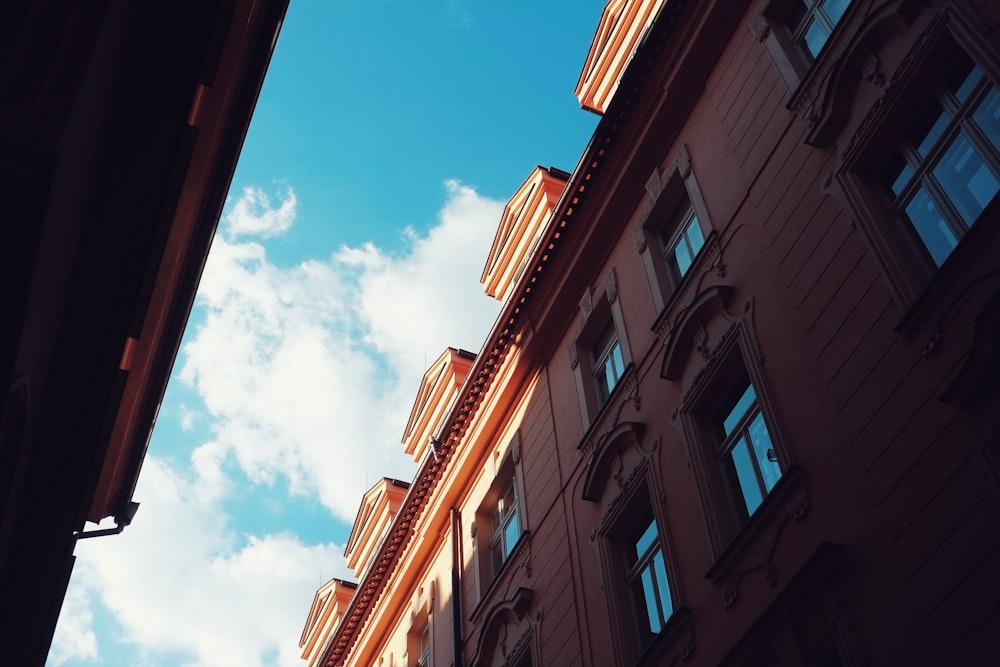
<point>835,9</point>
<point>617,361</point>
<point>966,179</point>
<point>815,37</point>
<point>987,117</point>
<point>650,597</point>
<point>683,257</point>
<point>767,460</point>
<point>510,534</point>
<point>934,232</point>
<point>748,478</point>
<point>930,126</point>
<point>739,410</point>
<point>660,569</point>
<point>645,541</point>
<point>695,237</point>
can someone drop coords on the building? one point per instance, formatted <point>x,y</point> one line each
<point>120,125</point>
<point>740,406</point>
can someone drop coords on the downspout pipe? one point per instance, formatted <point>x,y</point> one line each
<point>456,585</point>
<point>120,522</point>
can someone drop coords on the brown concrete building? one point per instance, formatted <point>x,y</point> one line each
<point>740,407</point>
<point>120,125</point>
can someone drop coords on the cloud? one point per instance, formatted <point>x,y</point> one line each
<point>75,638</point>
<point>184,581</point>
<point>305,377</point>
<point>252,214</point>
<point>309,372</point>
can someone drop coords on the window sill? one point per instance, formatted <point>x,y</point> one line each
<point>597,424</point>
<point>674,643</point>
<point>701,265</point>
<point>505,570</point>
<point>929,301</point>
<point>786,503</point>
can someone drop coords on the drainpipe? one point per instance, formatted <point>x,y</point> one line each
<point>456,585</point>
<point>121,521</point>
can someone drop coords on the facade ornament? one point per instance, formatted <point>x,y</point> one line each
<point>760,27</point>
<point>871,69</point>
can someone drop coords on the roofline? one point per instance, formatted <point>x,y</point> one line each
<point>485,366</point>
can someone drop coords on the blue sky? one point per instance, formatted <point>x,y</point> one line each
<point>386,140</point>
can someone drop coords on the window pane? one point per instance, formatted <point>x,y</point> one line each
<point>660,569</point>
<point>770,471</point>
<point>645,541</point>
<point>650,598</point>
<point>934,232</point>
<point>739,410</point>
<point>987,116</point>
<point>747,477</point>
<point>511,532</point>
<point>835,9</point>
<point>682,256</point>
<point>815,37</point>
<point>617,361</point>
<point>966,179</point>
<point>695,237</point>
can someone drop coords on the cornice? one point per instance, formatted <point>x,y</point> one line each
<point>482,374</point>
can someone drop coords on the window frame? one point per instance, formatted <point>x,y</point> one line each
<point>903,257</point>
<point>600,310</point>
<point>508,473</point>
<point>795,64</point>
<point>732,364</point>
<point>659,223</point>
<point>631,508</point>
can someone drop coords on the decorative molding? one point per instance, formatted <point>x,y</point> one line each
<point>492,632</point>
<point>759,27</point>
<point>901,77</point>
<point>682,336</point>
<point>683,162</point>
<point>871,69</point>
<point>606,450</point>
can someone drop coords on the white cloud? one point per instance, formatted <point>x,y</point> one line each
<point>307,375</point>
<point>309,372</point>
<point>252,214</point>
<point>181,580</point>
<point>74,638</point>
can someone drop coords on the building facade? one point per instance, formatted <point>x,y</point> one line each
<point>740,406</point>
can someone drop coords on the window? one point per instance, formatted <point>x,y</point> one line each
<point>684,241</point>
<point>646,619</point>
<point>794,34</point>
<point>746,453</point>
<point>812,22</point>
<point>500,520</point>
<point>504,522</point>
<point>599,354</point>
<point>607,362</point>
<point>646,574</point>
<point>673,229</point>
<point>945,170</point>
<point>922,171</point>
<point>423,646</point>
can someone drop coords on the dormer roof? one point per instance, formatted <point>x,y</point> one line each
<point>327,608</point>
<point>378,507</point>
<point>523,220</point>
<point>438,389</point>
<point>622,27</point>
